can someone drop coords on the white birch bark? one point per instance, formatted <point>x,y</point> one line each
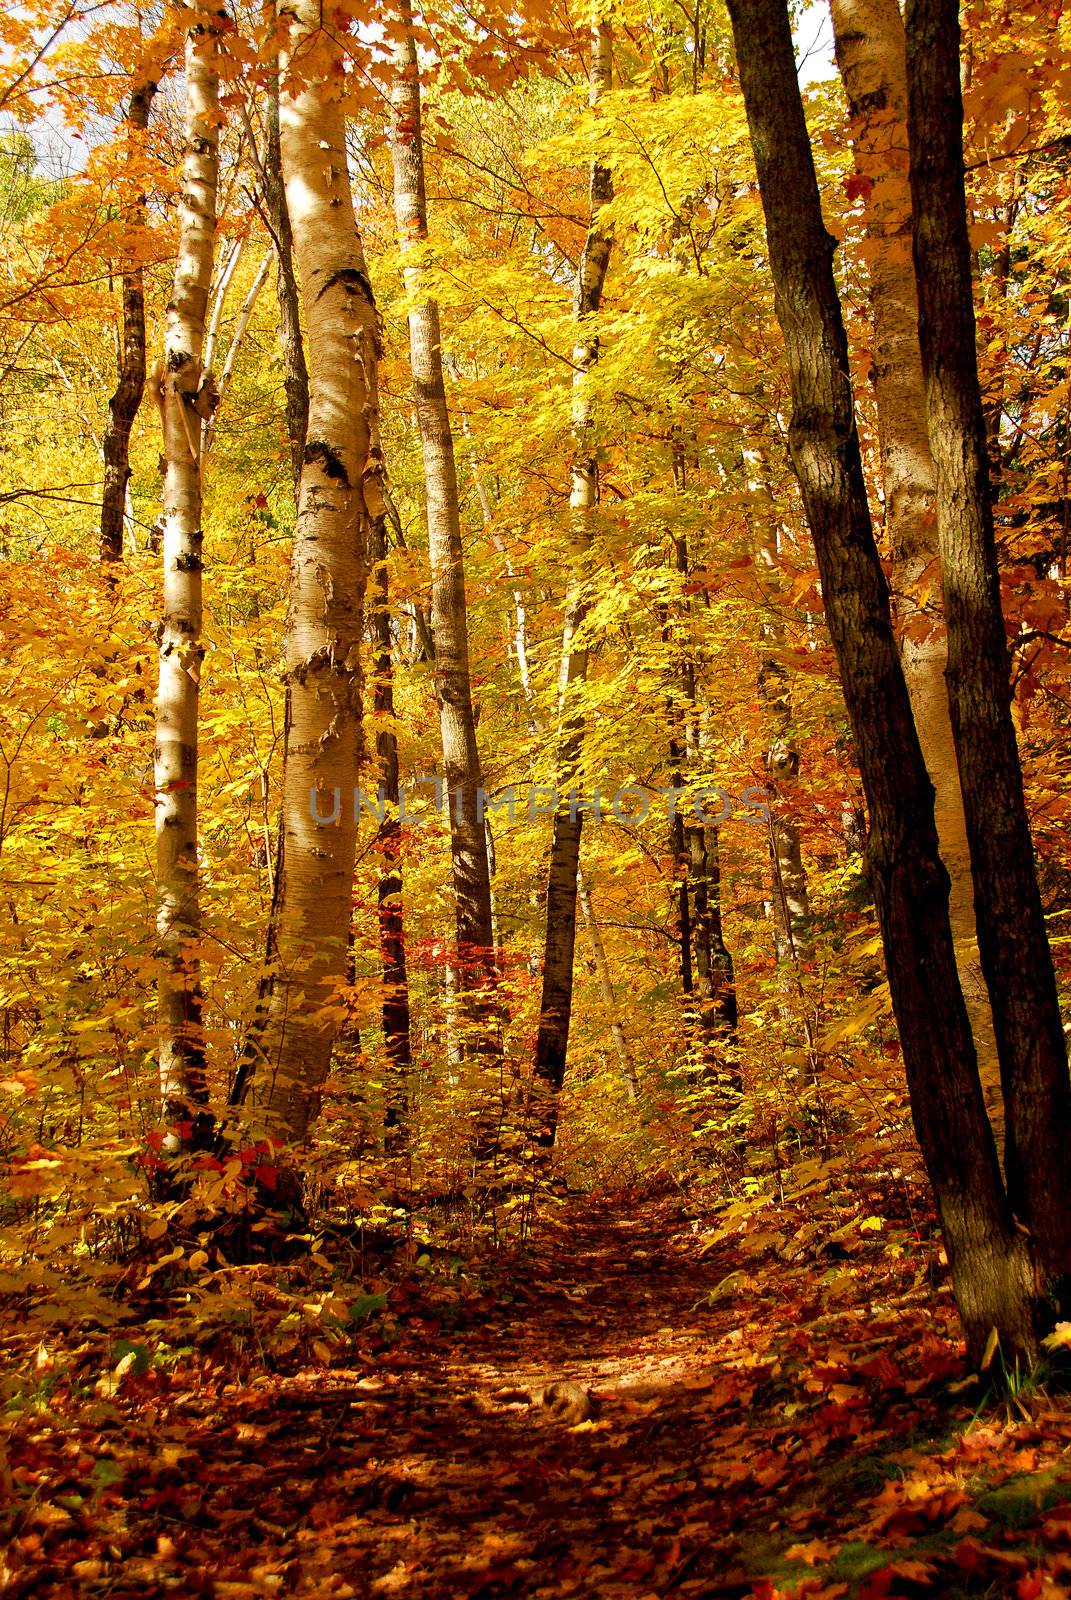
<point>240,329</point>
<point>461,760</point>
<point>218,298</point>
<point>184,400</point>
<point>338,496</point>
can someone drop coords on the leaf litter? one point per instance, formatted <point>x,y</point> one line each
<point>642,1403</point>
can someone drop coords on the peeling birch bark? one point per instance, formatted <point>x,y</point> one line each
<point>185,399</point>
<point>339,496</point>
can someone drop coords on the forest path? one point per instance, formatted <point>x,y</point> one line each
<point>751,1430</point>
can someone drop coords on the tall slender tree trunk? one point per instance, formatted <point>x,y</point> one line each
<point>186,400</point>
<point>679,851</point>
<point>228,266</point>
<point>125,402</point>
<point>714,973</point>
<point>296,383</point>
<point>241,327</point>
<point>991,1268</point>
<point>606,988</point>
<point>696,850</point>
<point>870,46</point>
<point>339,497</point>
<point>395,1005</point>
<point>295,371</point>
<point>535,723</point>
<point>461,760</point>
<point>681,718</point>
<point>552,1040</point>
<point>1016,959</point>
<point>791,897</point>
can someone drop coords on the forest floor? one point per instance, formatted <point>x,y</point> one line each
<point>747,1415</point>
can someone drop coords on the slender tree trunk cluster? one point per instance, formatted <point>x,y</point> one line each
<point>790,898</point>
<point>295,371</point>
<point>871,52</point>
<point>1016,959</point>
<point>708,978</point>
<point>991,1268</point>
<point>395,1004</point>
<point>949,846</point>
<point>449,621</point>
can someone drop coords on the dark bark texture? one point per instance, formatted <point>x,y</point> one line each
<point>1014,949</point>
<point>552,1042</point>
<point>990,1265</point>
<point>126,401</point>
<point>395,1007</point>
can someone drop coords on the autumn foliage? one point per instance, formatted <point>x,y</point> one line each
<point>288,1184</point>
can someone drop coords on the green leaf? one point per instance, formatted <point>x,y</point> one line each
<point>366,1305</point>
<point>142,1357</point>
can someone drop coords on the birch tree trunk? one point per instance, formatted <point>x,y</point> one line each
<point>125,402</point>
<point>871,46</point>
<point>240,329</point>
<point>296,382</point>
<point>991,1268</point>
<point>339,495</point>
<point>552,1040</point>
<point>461,760</point>
<point>296,376</point>
<point>1016,959</point>
<point>228,266</point>
<point>186,400</point>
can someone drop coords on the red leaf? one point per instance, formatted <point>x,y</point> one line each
<point>858,186</point>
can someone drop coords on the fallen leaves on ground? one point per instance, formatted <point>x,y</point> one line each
<point>597,1416</point>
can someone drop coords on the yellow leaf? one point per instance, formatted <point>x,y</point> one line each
<point>990,1349</point>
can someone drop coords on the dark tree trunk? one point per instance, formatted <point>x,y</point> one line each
<point>556,1003</point>
<point>395,1007</point>
<point>1016,960</point>
<point>679,848</point>
<point>681,725</point>
<point>715,975</point>
<point>552,1042</point>
<point>991,1269</point>
<point>125,402</point>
